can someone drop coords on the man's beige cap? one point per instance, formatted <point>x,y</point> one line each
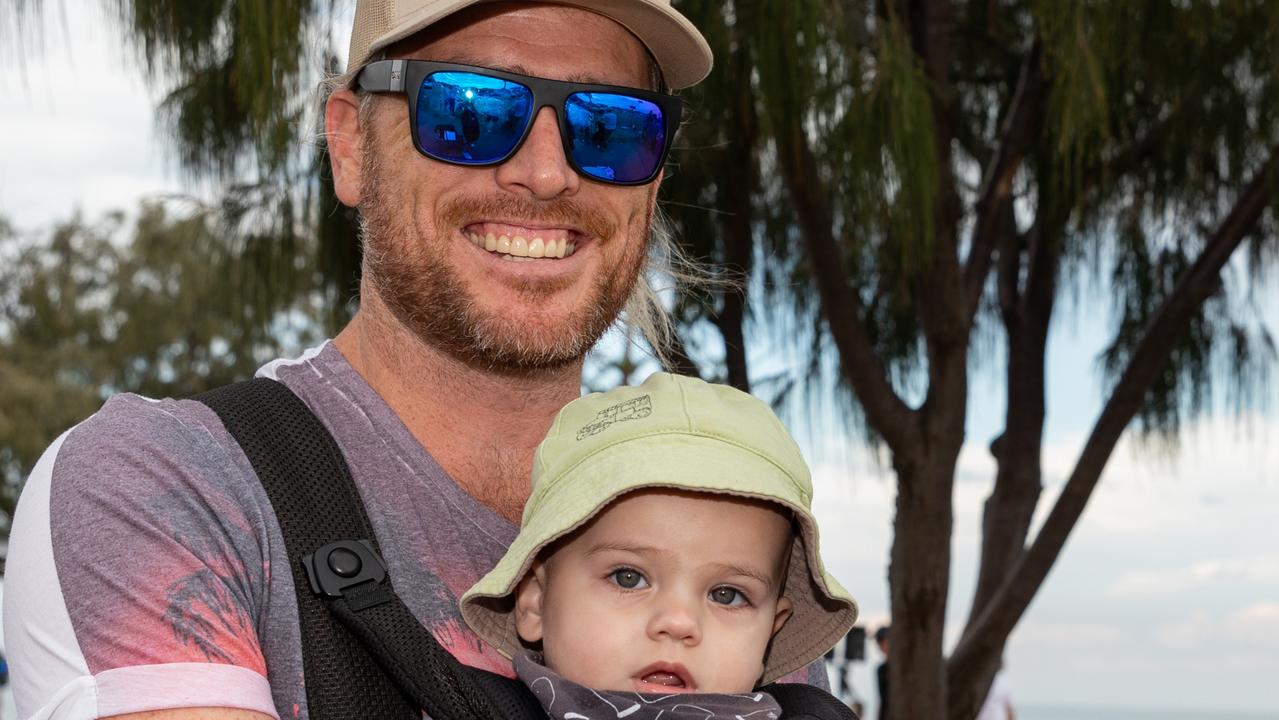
<point>680,50</point>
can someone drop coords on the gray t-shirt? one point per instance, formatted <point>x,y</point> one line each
<point>147,571</point>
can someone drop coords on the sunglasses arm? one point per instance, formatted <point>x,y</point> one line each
<point>383,76</point>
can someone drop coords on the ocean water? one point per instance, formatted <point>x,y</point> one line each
<point>1102,713</point>
<point>1084,712</point>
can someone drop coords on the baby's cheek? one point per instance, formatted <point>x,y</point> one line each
<point>575,657</point>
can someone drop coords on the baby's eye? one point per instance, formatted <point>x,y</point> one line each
<point>628,578</point>
<point>725,595</point>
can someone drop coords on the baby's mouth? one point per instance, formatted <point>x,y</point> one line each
<point>664,677</point>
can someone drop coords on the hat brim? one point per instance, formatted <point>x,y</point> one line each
<point>681,52</point>
<point>822,610</point>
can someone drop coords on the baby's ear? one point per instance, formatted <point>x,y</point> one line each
<point>784,608</point>
<point>528,603</point>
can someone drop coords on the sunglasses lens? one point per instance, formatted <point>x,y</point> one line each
<point>616,138</point>
<point>469,118</point>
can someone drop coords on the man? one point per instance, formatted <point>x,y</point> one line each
<point>147,575</point>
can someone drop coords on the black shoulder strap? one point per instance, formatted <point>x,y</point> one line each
<point>364,654</point>
<point>805,702</point>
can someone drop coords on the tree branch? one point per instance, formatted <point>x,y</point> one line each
<point>885,411</point>
<point>1008,512</point>
<point>678,361</point>
<point>1008,276</point>
<point>1020,127</point>
<point>739,186</point>
<point>1164,330</point>
<point>941,297</point>
<point>970,141</point>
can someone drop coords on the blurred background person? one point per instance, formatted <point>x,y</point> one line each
<point>999,701</point>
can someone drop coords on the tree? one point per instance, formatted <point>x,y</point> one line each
<point>918,173</point>
<point>953,163</point>
<point>168,313</point>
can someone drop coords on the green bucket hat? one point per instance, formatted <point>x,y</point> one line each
<point>682,433</point>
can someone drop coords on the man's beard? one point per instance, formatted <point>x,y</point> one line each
<point>413,277</point>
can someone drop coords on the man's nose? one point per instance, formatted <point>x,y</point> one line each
<point>676,620</point>
<point>540,168</point>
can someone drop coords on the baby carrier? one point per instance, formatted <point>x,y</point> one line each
<point>364,654</point>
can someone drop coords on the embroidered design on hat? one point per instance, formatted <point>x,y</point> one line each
<point>633,409</point>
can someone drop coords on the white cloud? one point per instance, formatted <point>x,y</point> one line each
<point>1143,583</point>
<point>1193,632</point>
<point>1058,635</point>
<point>1247,629</point>
<point>1256,625</point>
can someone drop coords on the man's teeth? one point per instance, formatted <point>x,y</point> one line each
<point>514,248</point>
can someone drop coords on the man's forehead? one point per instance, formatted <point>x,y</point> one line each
<point>585,76</point>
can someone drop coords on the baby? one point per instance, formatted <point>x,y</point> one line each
<point>668,548</point>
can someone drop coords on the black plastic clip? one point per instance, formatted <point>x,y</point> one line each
<point>338,567</point>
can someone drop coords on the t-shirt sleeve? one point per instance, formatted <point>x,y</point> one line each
<point>137,569</point>
<point>813,674</point>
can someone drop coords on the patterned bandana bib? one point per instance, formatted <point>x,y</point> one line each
<point>565,700</point>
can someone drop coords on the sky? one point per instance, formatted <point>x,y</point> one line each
<point>1166,596</point>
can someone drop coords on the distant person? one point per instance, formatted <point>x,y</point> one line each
<point>470,126</point>
<point>999,701</point>
<point>881,673</point>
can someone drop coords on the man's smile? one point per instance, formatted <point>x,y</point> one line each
<point>514,242</point>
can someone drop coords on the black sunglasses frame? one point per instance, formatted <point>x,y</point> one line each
<point>406,76</point>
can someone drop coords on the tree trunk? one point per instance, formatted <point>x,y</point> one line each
<point>1026,314</point>
<point>919,578</point>
<point>739,240</point>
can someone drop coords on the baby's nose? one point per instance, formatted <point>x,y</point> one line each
<point>676,620</point>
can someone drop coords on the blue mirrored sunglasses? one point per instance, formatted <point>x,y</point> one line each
<point>469,115</point>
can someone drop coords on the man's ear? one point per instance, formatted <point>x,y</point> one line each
<point>528,603</point>
<point>342,133</point>
<point>784,608</point>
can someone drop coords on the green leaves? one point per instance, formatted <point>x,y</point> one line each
<point>237,78</point>
<point>162,306</point>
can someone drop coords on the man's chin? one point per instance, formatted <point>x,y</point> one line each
<point>518,345</point>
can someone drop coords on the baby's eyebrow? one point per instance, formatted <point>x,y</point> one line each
<point>729,569</point>
<point>622,547</point>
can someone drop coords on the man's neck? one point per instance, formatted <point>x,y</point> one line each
<point>481,427</point>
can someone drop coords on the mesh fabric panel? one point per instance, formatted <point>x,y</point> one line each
<point>372,20</point>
